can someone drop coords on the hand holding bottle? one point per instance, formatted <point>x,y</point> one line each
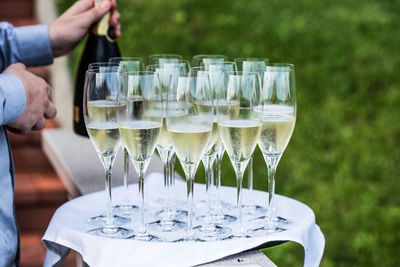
<point>73,24</point>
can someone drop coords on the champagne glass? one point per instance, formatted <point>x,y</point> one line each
<point>238,127</point>
<point>126,64</point>
<point>162,58</point>
<point>100,106</point>
<point>189,125</point>
<point>140,127</point>
<point>219,217</point>
<point>205,59</point>
<point>106,67</point>
<point>164,71</point>
<point>277,111</point>
<point>216,71</point>
<point>252,65</point>
<point>170,216</point>
<point>209,230</point>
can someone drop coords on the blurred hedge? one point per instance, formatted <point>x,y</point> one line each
<point>343,159</point>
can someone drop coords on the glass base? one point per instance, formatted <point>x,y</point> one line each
<point>167,226</point>
<point>212,232</point>
<point>282,221</point>
<point>175,214</point>
<point>169,231</point>
<point>222,219</point>
<point>125,209</point>
<point>226,205</point>
<point>263,231</point>
<point>112,232</point>
<point>100,220</point>
<point>144,237</point>
<point>254,210</point>
<point>277,220</point>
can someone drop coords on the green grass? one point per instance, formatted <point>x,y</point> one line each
<point>343,159</point>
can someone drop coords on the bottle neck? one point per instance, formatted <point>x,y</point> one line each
<point>102,28</point>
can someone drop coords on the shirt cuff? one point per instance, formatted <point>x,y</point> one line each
<point>34,45</point>
<point>12,98</point>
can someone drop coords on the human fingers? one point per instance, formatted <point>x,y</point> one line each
<point>94,14</point>
<point>20,65</point>
<point>113,4</point>
<point>115,16</point>
<point>79,7</point>
<point>114,22</point>
<point>40,124</point>
<point>50,111</point>
<point>49,91</point>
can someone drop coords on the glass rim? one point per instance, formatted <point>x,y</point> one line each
<point>255,59</point>
<point>158,65</point>
<point>105,69</point>
<point>112,59</point>
<point>165,55</point>
<point>273,67</point>
<point>102,64</point>
<point>202,56</point>
<point>220,64</point>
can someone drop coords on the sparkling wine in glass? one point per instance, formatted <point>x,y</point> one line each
<point>208,230</point>
<point>100,107</point>
<point>165,66</point>
<point>252,65</point>
<point>139,127</point>
<point>127,64</point>
<point>220,217</point>
<point>170,217</point>
<point>277,111</point>
<point>190,132</point>
<point>239,131</point>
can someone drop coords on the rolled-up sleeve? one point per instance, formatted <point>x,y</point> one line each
<point>12,98</point>
<point>34,45</point>
<point>28,44</point>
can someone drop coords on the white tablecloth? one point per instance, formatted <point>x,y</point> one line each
<point>67,230</point>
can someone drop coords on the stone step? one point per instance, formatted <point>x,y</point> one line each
<point>21,9</point>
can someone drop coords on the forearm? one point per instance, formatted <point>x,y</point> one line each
<point>29,45</point>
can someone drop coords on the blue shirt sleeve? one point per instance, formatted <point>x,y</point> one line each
<point>12,98</point>
<point>29,45</point>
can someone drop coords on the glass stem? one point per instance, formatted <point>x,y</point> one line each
<point>142,229</point>
<point>250,182</point>
<point>172,168</point>
<point>126,175</point>
<point>208,172</point>
<point>239,184</point>
<point>271,189</point>
<point>167,204</point>
<point>109,214</point>
<point>189,196</point>
<point>172,159</point>
<point>218,181</point>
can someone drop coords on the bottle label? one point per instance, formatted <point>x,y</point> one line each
<point>76,114</point>
<point>103,28</point>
